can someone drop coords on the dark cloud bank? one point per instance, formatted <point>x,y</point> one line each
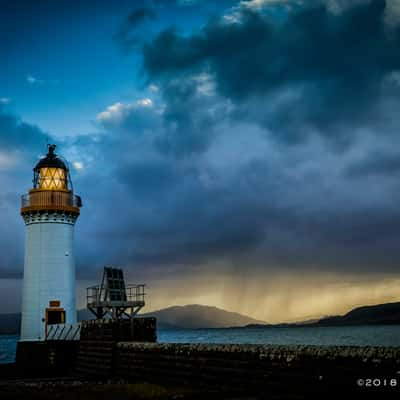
<point>312,72</point>
<point>270,143</point>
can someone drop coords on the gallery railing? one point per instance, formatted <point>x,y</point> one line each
<point>49,198</point>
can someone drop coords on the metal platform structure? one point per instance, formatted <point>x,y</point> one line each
<point>113,298</point>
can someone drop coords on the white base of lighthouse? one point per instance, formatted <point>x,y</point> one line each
<point>49,273</point>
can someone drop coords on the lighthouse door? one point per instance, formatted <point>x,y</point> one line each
<point>55,316</point>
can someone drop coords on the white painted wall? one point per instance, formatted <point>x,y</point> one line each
<point>49,274</point>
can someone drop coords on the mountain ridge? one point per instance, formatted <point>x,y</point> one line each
<point>377,314</point>
<point>194,316</point>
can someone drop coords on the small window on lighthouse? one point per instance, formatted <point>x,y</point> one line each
<point>52,178</point>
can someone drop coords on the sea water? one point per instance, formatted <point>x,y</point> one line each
<point>8,347</point>
<point>321,336</point>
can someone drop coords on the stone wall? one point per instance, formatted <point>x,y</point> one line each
<point>257,368</point>
<point>98,340</point>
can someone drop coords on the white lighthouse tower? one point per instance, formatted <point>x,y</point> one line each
<point>50,211</point>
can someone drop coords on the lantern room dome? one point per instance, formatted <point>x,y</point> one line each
<point>51,172</point>
<point>51,160</point>
<point>52,189</point>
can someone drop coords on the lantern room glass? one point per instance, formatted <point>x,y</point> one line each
<point>52,179</point>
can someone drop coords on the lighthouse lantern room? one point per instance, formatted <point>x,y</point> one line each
<point>50,211</point>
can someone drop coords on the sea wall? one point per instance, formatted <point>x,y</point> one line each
<point>99,338</point>
<point>258,367</point>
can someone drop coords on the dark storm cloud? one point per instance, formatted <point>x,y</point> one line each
<point>173,218</point>
<point>182,211</point>
<point>190,118</point>
<point>313,71</point>
<point>127,35</point>
<point>18,135</point>
<point>384,164</point>
<point>167,216</point>
<point>148,179</point>
<point>138,16</point>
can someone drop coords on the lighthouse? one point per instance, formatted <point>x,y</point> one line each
<point>49,210</point>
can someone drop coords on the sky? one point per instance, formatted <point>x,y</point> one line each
<point>239,154</point>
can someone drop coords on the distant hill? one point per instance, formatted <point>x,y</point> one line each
<point>197,316</point>
<point>380,314</point>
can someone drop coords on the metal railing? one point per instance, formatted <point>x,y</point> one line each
<point>97,295</point>
<point>48,198</point>
<point>63,332</point>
